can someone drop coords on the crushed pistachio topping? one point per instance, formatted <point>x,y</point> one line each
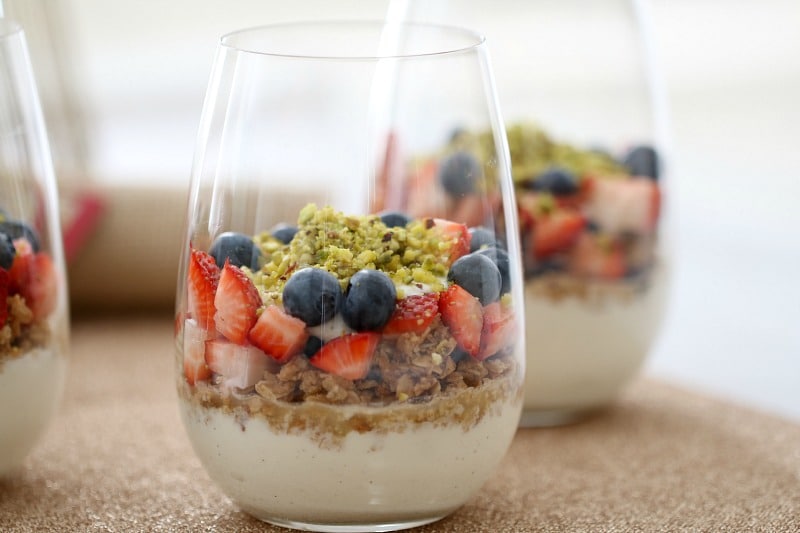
<point>344,244</point>
<point>532,152</point>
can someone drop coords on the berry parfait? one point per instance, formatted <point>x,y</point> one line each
<point>33,302</point>
<point>595,275</point>
<point>343,361</point>
<point>587,135</point>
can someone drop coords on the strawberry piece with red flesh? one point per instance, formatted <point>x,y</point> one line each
<point>239,365</point>
<point>463,315</point>
<point>624,205</point>
<point>202,282</point>
<point>498,331</point>
<point>236,302</point>
<point>413,314</point>
<point>595,257</point>
<point>457,234</point>
<point>195,368</point>
<point>279,334</point>
<point>556,231</point>
<point>424,198</point>
<point>348,356</point>
<point>33,276</point>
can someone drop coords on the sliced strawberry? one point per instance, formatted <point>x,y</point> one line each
<point>240,366</point>
<point>527,208</point>
<point>413,314</point>
<point>34,277</point>
<point>499,329</point>
<point>457,234</point>
<point>424,198</point>
<point>279,334</point>
<point>236,301</point>
<point>348,356</point>
<point>598,257</point>
<point>624,205</point>
<point>202,285</point>
<point>472,209</point>
<point>194,352</point>
<point>556,231</point>
<point>462,314</point>
<point>4,280</point>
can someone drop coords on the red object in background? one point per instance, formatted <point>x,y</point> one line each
<point>81,221</point>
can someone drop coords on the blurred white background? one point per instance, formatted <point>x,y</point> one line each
<point>731,71</point>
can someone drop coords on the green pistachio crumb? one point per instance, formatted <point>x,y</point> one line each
<point>344,244</point>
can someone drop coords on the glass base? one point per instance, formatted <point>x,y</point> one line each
<point>543,418</point>
<point>356,528</point>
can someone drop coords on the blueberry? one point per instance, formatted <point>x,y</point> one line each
<point>369,301</point>
<point>459,173</point>
<point>481,237</point>
<point>642,161</point>
<point>478,275</point>
<point>592,226</point>
<point>312,295</point>
<point>457,134</point>
<point>238,248</point>
<point>556,180</point>
<point>7,251</point>
<point>16,229</point>
<point>458,354</point>
<point>313,344</point>
<point>283,232</point>
<point>500,258</point>
<point>395,219</point>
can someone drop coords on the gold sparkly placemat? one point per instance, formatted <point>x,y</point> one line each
<point>663,459</point>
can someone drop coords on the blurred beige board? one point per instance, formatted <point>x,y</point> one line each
<point>130,260</point>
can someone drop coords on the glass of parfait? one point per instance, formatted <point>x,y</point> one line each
<point>586,123</point>
<point>33,296</point>
<point>588,144</point>
<point>349,347</point>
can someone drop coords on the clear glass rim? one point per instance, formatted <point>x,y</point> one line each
<point>473,40</point>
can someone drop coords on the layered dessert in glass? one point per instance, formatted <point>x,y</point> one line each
<point>591,246</point>
<point>32,339</point>
<point>349,369</point>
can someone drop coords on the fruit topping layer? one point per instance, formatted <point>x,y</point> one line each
<point>342,309</point>
<point>28,289</point>
<point>583,213</point>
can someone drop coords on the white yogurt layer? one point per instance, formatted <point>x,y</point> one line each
<point>30,390</point>
<point>581,354</point>
<point>420,474</point>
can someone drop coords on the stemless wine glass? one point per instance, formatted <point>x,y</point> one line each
<point>349,345</point>
<point>588,150</point>
<point>585,113</point>
<point>33,314</point>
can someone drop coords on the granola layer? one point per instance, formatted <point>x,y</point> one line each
<point>21,333</point>
<point>557,287</point>
<point>328,424</point>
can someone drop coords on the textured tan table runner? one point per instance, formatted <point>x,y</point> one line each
<point>663,459</point>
